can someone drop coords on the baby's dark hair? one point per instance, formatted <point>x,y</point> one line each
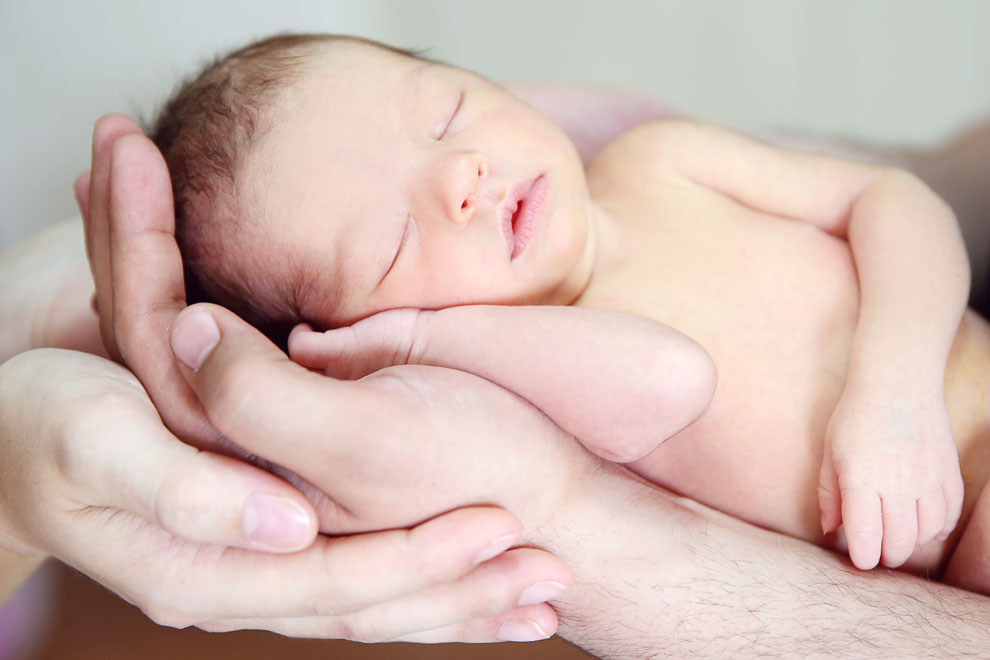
<point>204,131</point>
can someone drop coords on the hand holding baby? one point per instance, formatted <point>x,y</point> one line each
<point>890,474</point>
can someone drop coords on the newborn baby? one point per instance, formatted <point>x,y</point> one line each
<point>418,213</point>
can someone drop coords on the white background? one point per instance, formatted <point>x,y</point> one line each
<point>892,71</point>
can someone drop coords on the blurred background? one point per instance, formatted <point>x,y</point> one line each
<point>890,72</point>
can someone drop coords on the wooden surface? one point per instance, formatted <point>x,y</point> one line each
<point>89,622</point>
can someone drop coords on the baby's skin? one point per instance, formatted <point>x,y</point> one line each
<point>447,223</point>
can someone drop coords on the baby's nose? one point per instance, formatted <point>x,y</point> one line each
<point>467,171</point>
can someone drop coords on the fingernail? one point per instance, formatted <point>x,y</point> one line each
<point>521,631</point>
<point>193,337</point>
<point>541,592</point>
<point>272,522</point>
<point>495,548</point>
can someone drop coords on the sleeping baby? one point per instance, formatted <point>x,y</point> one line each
<point>397,210</point>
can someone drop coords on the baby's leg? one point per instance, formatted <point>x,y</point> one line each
<point>969,566</point>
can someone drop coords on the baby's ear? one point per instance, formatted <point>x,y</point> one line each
<point>309,348</point>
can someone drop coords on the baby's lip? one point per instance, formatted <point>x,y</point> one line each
<point>518,212</point>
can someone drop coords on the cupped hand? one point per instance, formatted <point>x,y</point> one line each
<point>890,476</point>
<point>389,449</point>
<point>93,478</point>
<point>412,584</point>
<point>126,205</point>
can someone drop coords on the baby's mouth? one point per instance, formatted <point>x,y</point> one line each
<point>520,212</point>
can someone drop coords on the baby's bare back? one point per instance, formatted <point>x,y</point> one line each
<point>775,302</point>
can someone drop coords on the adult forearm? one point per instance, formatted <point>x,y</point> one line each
<point>658,577</point>
<point>914,281</point>
<point>45,292</point>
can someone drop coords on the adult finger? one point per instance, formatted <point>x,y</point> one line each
<point>167,482</point>
<point>525,624</point>
<point>483,606</point>
<point>332,577</point>
<point>520,577</point>
<point>244,382</point>
<point>80,188</point>
<point>147,281</point>
<point>106,132</point>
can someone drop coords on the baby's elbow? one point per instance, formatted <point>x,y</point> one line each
<point>679,390</point>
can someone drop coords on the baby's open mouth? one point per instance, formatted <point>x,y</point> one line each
<point>520,212</point>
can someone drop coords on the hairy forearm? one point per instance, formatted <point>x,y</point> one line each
<point>45,292</point>
<point>914,281</point>
<point>620,383</point>
<point>660,577</point>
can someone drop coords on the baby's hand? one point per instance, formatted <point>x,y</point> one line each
<point>386,339</point>
<point>890,475</point>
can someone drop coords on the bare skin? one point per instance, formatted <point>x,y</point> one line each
<point>664,578</point>
<point>836,350</point>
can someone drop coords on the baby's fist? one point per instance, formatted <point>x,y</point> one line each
<point>890,475</point>
<point>386,339</point>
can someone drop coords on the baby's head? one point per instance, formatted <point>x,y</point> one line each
<point>326,178</point>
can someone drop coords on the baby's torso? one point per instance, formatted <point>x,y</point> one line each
<point>775,302</point>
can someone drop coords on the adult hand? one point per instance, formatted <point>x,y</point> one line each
<point>126,205</point>
<point>127,209</point>
<point>93,478</point>
<point>389,449</point>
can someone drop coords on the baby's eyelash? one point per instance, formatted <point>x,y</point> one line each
<point>450,120</point>
<point>398,250</point>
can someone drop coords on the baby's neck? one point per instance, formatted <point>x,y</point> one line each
<point>603,252</point>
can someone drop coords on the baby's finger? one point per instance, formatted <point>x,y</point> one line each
<point>862,523</point>
<point>953,491</point>
<point>829,499</point>
<point>900,530</point>
<point>931,516</point>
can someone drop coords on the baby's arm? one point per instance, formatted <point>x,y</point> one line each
<point>890,471</point>
<point>620,383</point>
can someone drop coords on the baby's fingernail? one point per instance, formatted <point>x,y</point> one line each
<point>272,522</point>
<point>495,548</point>
<point>521,631</point>
<point>541,592</point>
<point>193,337</point>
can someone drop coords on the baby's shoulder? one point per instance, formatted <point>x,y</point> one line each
<point>644,153</point>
